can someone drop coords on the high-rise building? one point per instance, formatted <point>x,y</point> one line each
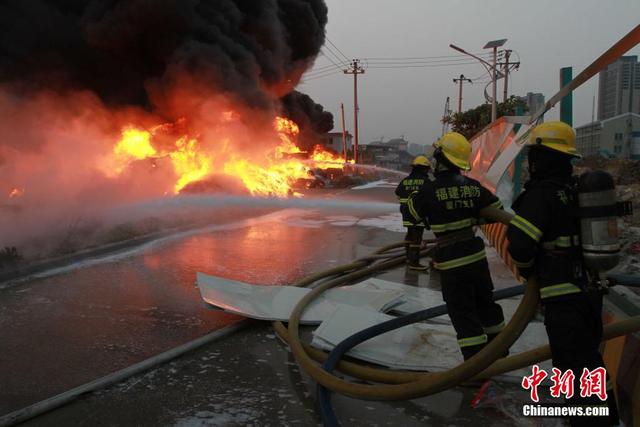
<point>533,101</point>
<point>619,88</point>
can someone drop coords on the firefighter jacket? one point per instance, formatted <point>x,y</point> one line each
<point>451,204</point>
<point>544,237</point>
<point>410,184</point>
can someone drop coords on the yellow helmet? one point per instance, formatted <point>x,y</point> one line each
<point>558,136</point>
<point>456,149</point>
<point>421,161</point>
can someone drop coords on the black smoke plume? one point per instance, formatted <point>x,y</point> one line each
<point>126,51</point>
<point>311,117</point>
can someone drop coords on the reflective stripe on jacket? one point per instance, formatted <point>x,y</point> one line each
<point>451,203</point>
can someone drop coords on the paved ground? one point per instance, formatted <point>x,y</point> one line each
<point>60,331</point>
<point>250,379</point>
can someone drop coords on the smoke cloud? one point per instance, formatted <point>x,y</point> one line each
<point>73,73</point>
<point>128,51</point>
<point>310,116</point>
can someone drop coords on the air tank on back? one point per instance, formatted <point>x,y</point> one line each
<point>598,220</point>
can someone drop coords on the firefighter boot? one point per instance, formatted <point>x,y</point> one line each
<point>414,259</point>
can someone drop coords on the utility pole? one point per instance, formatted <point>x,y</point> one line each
<point>461,80</point>
<point>507,53</point>
<point>355,69</point>
<point>494,76</point>
<point>447,114</point>
<point>506,66</point>
<point>344,134</point>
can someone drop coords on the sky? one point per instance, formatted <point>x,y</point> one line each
<point>545,34</point>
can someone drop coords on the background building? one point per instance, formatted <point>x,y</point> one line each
<point>392,154</point>
<point>333,140</point>
<point>619,88</point>
<point>617,136</point>
<point>533,101</point>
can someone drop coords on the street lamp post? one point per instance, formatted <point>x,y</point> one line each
<point>491,68</point>
<point>495,44</point>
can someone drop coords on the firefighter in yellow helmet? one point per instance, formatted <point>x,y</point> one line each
<point>420,167</point>
<point>544,240</point>
<point>451,204</point>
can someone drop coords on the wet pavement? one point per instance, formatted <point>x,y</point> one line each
<point>60,331</point>
<point>251,379</point>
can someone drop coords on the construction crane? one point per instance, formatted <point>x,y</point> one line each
<point>445,116</point>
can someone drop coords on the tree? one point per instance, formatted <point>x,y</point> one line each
<point>470,122</point>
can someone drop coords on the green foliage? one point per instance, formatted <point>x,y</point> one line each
<point>472,121</point>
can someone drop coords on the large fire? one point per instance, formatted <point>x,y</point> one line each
<point>271,175</point>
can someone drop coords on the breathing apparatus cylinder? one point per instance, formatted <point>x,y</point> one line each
<point>598,221</point>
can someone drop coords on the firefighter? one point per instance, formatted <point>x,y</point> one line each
<point>450,204</point>
<point>420,167</point>
<point>544,240</point>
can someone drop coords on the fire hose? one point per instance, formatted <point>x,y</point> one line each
<point>427,383</point>
<point>404,384</point>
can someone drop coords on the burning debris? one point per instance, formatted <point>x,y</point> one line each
<point>113,102</point>
<point>273,175</point>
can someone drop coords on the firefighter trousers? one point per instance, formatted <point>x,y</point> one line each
<point>413,243</point>
<point>468,293</point>
<point>574,328</point>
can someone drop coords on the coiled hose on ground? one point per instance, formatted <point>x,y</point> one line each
<point>427,383</point>
<point>408,384</point>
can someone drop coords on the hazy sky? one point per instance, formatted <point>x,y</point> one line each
<point>546,34</point>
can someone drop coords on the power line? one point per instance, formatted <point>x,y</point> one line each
<point>422,65</point>
<point>342,62</point>
<point>317,73</point>
<point>444,63</point>
<point>399,62</point>
<point>486,73</point>
<point>336,57</point>
<point>331,60</point>
<point>449,61</point>
<point>337,48</point>
<point>389,61</point>
<point>320,69</point>
<point>308,79</point>
<point>408,58</point>
<point>331,71</point>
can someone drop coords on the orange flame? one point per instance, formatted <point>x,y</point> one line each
<point>189,164</point>
<point>286,126</point>
<point>135,144</point>
<point>325,159</point>
<point>272,175</point>
<point>288,132</point>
